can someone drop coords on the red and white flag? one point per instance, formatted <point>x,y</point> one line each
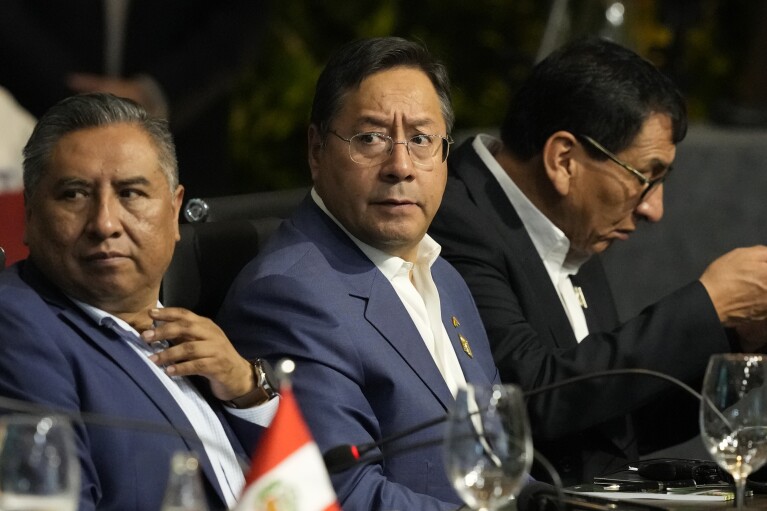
<point>287,472</point>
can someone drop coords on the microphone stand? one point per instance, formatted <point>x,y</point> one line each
<point>340,463</point>
<point>102,420</point>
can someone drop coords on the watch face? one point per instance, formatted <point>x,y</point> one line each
<point>268,381</point>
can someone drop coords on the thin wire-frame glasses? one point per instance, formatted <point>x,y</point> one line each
<point>647,183</point>
<point>372,148</point>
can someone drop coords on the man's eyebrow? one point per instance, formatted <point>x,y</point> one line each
<point>658,164</point>
<point>385,122</point>
<point>71,181</point>
<point>132,181</point>
<point>371,121</point>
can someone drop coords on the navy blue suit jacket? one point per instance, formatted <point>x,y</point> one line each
<point>363,371</point>
<point>53,354</point>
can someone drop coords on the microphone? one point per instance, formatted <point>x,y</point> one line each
<point>702,472</point>
<point>339,458</point>
<point>345,456</point>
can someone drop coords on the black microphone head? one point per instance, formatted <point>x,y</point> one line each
<point>339,458</point>
<point>537,496</point>
<point>660,472</point>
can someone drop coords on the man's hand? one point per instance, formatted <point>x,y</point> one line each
<point>199,347</point>
<point>737,285</point>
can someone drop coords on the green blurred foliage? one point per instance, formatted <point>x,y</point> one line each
<point>488,46</point>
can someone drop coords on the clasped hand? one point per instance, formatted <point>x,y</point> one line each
<point>737,285</point>
<point>199,347</point>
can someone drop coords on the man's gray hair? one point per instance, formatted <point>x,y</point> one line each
<point>89,111</point>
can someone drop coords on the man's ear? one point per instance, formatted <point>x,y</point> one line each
<point>177,201</point>
<point>558,160</point>
<point>315,143</point>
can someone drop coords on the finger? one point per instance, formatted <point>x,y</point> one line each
<point>171,314</point>
<point>197,367</point>
<point>216,359</point>
<point>211,368</point>
<point>179,327</point>
<point>179,333</point>
<point>176,322</point>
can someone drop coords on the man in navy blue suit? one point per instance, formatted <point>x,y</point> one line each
<point>382,329</point>
<point>81,328</point>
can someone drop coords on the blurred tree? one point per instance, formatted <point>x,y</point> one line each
<point>488,46</point>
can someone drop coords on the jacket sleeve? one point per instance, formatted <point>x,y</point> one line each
<point>279,316</point>
<point>33,369</point>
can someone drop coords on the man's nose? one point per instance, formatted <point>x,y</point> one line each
<point>651,206</point>
<point>105,217</point>
<point>399,165</point>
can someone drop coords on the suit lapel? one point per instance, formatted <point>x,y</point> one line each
<point>547,312</point>
<point>399,331</point>
<point>598,294</point>
<point>114,348</point>
<point>384,310</point>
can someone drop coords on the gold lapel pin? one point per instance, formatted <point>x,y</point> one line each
<point>581,297</point>
<point>456,323</point>
<point>465,345</point>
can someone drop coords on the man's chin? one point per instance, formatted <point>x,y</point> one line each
<point>601,246</point>
<point>584,253</point>
<point>101,293</point>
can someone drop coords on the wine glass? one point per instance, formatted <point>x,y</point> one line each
<point>488,449</point>
<point>733,415</point>
<point>39,469</point>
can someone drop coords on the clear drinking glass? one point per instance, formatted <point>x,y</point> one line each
<point>39,468</point>
<point>733,415</point>
<point>488,450</point>
<point>184,491</point>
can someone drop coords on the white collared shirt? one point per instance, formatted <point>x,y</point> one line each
<point>201,416</point>
<point>550,242</point>
<point>415,287</point>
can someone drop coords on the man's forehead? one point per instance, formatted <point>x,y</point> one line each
<point>108,142</point>
<point>396,95</point>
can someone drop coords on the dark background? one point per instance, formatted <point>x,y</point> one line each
<point>713,49</point>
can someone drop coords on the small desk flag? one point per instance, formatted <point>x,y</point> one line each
<point>287,472</point>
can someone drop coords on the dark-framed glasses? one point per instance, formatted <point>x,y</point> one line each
<point>372,148</point>
<point>646,182</point>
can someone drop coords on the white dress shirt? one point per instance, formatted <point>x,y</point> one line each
<point>415,287</point>
<point>550,242</point>
<point>201,416</point>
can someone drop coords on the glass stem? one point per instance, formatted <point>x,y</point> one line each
<point>740,491</point>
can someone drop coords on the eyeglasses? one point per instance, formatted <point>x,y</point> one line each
<point>647,183</point>
<point>371,148</point>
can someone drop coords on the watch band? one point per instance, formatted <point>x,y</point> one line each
<point>266,380</point>
<point>263,379</point>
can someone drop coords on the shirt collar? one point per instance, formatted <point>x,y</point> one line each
<point>390,265</point>
<point>550,242</point>
<point>103,318</point>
